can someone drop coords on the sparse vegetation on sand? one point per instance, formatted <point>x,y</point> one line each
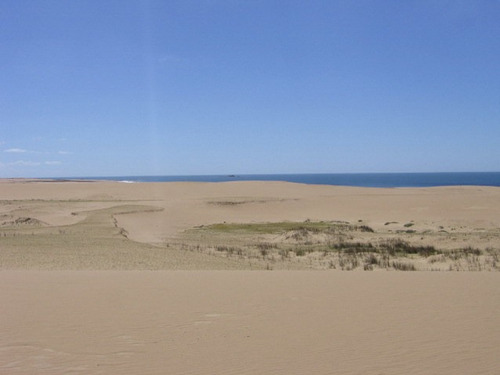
<point>97,241</point>
<point>334,245</point>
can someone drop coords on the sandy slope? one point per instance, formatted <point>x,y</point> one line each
<point>249,322</point>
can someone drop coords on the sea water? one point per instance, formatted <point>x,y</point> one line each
<point>388,180</point>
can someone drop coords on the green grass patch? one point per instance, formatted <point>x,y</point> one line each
<point>275,228</point>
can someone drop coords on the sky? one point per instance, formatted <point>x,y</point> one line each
<point>191,87</point>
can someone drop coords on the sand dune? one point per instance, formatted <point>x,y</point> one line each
<point>112,225</point>
<point>86,314</point>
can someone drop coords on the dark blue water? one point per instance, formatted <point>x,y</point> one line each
<point>343,179</point>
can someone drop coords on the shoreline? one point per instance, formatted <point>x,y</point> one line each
<point>388,180</point>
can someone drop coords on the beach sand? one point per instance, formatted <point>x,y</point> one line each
<point>249,322</point>
<point>79,295</point>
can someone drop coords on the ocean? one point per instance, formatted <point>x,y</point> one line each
<point>386,180</point>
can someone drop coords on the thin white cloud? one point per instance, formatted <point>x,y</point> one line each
<point>23,151</point>
<point>30,163</point>
<point>26,163</point>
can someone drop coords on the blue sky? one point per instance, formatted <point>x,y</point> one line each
<point>110,88</point>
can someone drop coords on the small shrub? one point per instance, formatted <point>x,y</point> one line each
<point>229,249</point>
<point>471,251</point>
<point>437,258</point>
<point>353,247</point>
<point>371,260</point>
<point>398,246</point>
<point>366,228</point>
<point>300,252</point>
<point>267,246</point>
<point>402,266</point>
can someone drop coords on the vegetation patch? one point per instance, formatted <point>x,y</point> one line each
<point>337,245</point>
